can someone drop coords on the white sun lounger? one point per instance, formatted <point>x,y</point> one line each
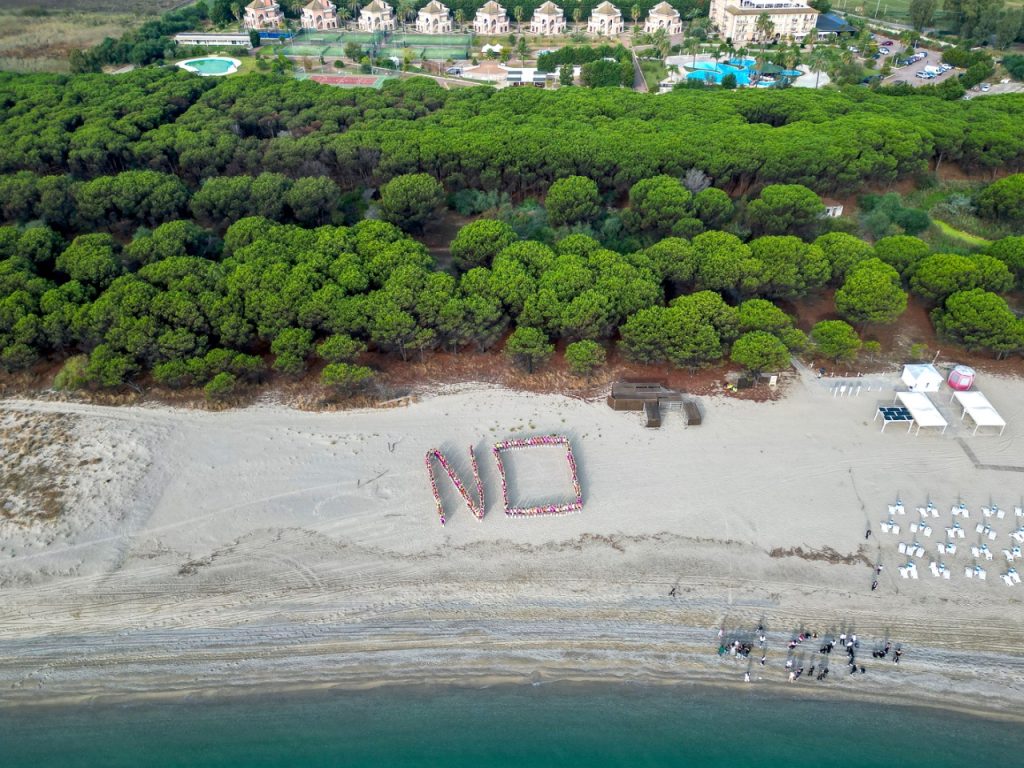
<point>934,569</point>
<point>980,528</point>
<point>1015,576</point>
<point>945,574</point>
<point>894,529</point>
<point>927,531</point>
<point>1008,555</point>
<point>1007,579</point>
<point>988,554</point>
<point>913,573</point>
<point>901,548</point>
<point>981,574</point>
<point>975,551</point>
<point>992,535</point>
<point>906,575</point>
<point>1000,514</point>
<point>1018,511</point>
<point>987,511</point>
<point>969,572</point>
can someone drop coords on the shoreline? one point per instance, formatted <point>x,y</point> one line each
<point>207,555</point>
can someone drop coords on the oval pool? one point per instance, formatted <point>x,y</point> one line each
<point>211,66</point>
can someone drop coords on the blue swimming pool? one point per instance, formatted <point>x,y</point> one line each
<point>742,69</point>
<point>211,66</point>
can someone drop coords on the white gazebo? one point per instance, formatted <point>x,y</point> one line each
<point>922,378</point>
<point>977,406</point>
<point>320,14</point>
<point>490,20</point>
<point>922,411</point>
<point>263,14</point>
<point>664,16</point>
<point>433,18</point>
<point>548,19</point>
<point>376,17</point>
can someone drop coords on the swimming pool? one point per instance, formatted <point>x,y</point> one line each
<point>741,69</point>
<point>211,66</point>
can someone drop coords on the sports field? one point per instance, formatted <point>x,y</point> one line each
<point>348,81</point>
<point>426,52</point>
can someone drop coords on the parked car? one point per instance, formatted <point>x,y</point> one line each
<point>883,50</point>
<point>985,87</point>
<point>454,71</point>
<point>888,42</point>
<point>853,49</point>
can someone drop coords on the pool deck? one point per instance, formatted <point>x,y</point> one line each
<point>685,64</point>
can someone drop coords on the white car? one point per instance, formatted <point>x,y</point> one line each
<point>884,51</point>
<point>985,87</point>
<point>853,49</point>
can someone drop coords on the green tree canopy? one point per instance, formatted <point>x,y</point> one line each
<point>760,351</point>
<point>657,204</point>
<point>871,293</point>
<point>584,357</point>
<point>529,347</point>
<point>1003,200</point>
<point>479,242</point>
<point>786,209</point>
<point>843,252</point>
<point>572,200</point>
<point>410,200</point>
<point>979,320</point>
<point>836,340</point>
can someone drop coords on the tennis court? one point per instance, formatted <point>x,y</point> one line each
<point>348,81</point>
<point>303,50</point>
<point>412,40</point>
<point>428,52</point>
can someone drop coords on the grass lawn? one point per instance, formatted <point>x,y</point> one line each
<point>654,73</point>
<point>966,237</point>
<point>42,43</point>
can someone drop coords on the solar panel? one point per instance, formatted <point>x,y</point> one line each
<point>895,413</point>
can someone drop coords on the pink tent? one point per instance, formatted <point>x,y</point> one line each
<point>961,378</point>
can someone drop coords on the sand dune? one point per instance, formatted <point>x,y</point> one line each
<point>203,551</point>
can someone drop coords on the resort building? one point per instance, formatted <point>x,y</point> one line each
<point>548,19</point>
<point>212,38</point>
<point>664,16</point>
<point>263,14</point>
<point>376,17</point>
<point>490,20</point>
<point>433,18</point>
<point>736,20</point>
<point>320,14</point>
<point>606,19</point>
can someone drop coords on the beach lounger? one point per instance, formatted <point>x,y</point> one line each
<point>901,548</point>
<point>934,569</point>
<point>987,511</point>
<point>1015,577</point>
<point>934,509</point>
<point>951,549</point>
<point>959,532</point>
<point>1000,514</point>
<point>945,574</point>
<point>950,533</point>
<point>981,574</point>
<point>905,575</point>
<point>913,527</point>
<point>1018,511</point>
<point>980,528</point>
<point>919,551</point>
<point>969,572</point>
<point>1007,580</point>
<point>1008,555</point>
<point>975,551</point>
<point>927,531</point>
<point>913,573</point>
<point>988,554</point>
<point>895,529</point>
<point>992,535</point>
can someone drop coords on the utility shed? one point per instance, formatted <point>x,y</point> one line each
<point>651,397</point>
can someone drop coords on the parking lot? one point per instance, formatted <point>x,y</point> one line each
<point>908,73</point>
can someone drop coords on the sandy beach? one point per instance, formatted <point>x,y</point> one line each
<point>167,552</point>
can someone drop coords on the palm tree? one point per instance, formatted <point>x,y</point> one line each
<point>460,18</point>
<point>577,14</point>
<point>765,28</point>
<point>406,8</point>
<point>353,7</point>
<point>635,13</point>
<point>522,49</point>
<point>693,46</point>
<point>821,58</point>
<point>518,12</point>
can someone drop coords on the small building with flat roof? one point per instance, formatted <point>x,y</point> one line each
<point>213,38</point>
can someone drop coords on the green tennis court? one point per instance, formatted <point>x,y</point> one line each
<point>303,50</point>
<point>431,53</point>
<point>413,40</point>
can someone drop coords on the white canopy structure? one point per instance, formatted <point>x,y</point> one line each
<point>977,406</point>
<point>922,378</point>
<point>923,411</point>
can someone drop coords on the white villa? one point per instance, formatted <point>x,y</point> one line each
<point>736,20</point>
<point>606,19</point>
<point>490,20</point>
<point>548,19</point>
<point>376,16</point>
<point>664,16</point>
<point>320,14</point>
<point>263,14</point>
<point>433,18</point>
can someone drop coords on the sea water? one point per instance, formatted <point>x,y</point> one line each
<point>536,726</point>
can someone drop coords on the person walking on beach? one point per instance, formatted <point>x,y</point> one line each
<point>874,585</point>
<point>867,534</point>
<point>672,592</point>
